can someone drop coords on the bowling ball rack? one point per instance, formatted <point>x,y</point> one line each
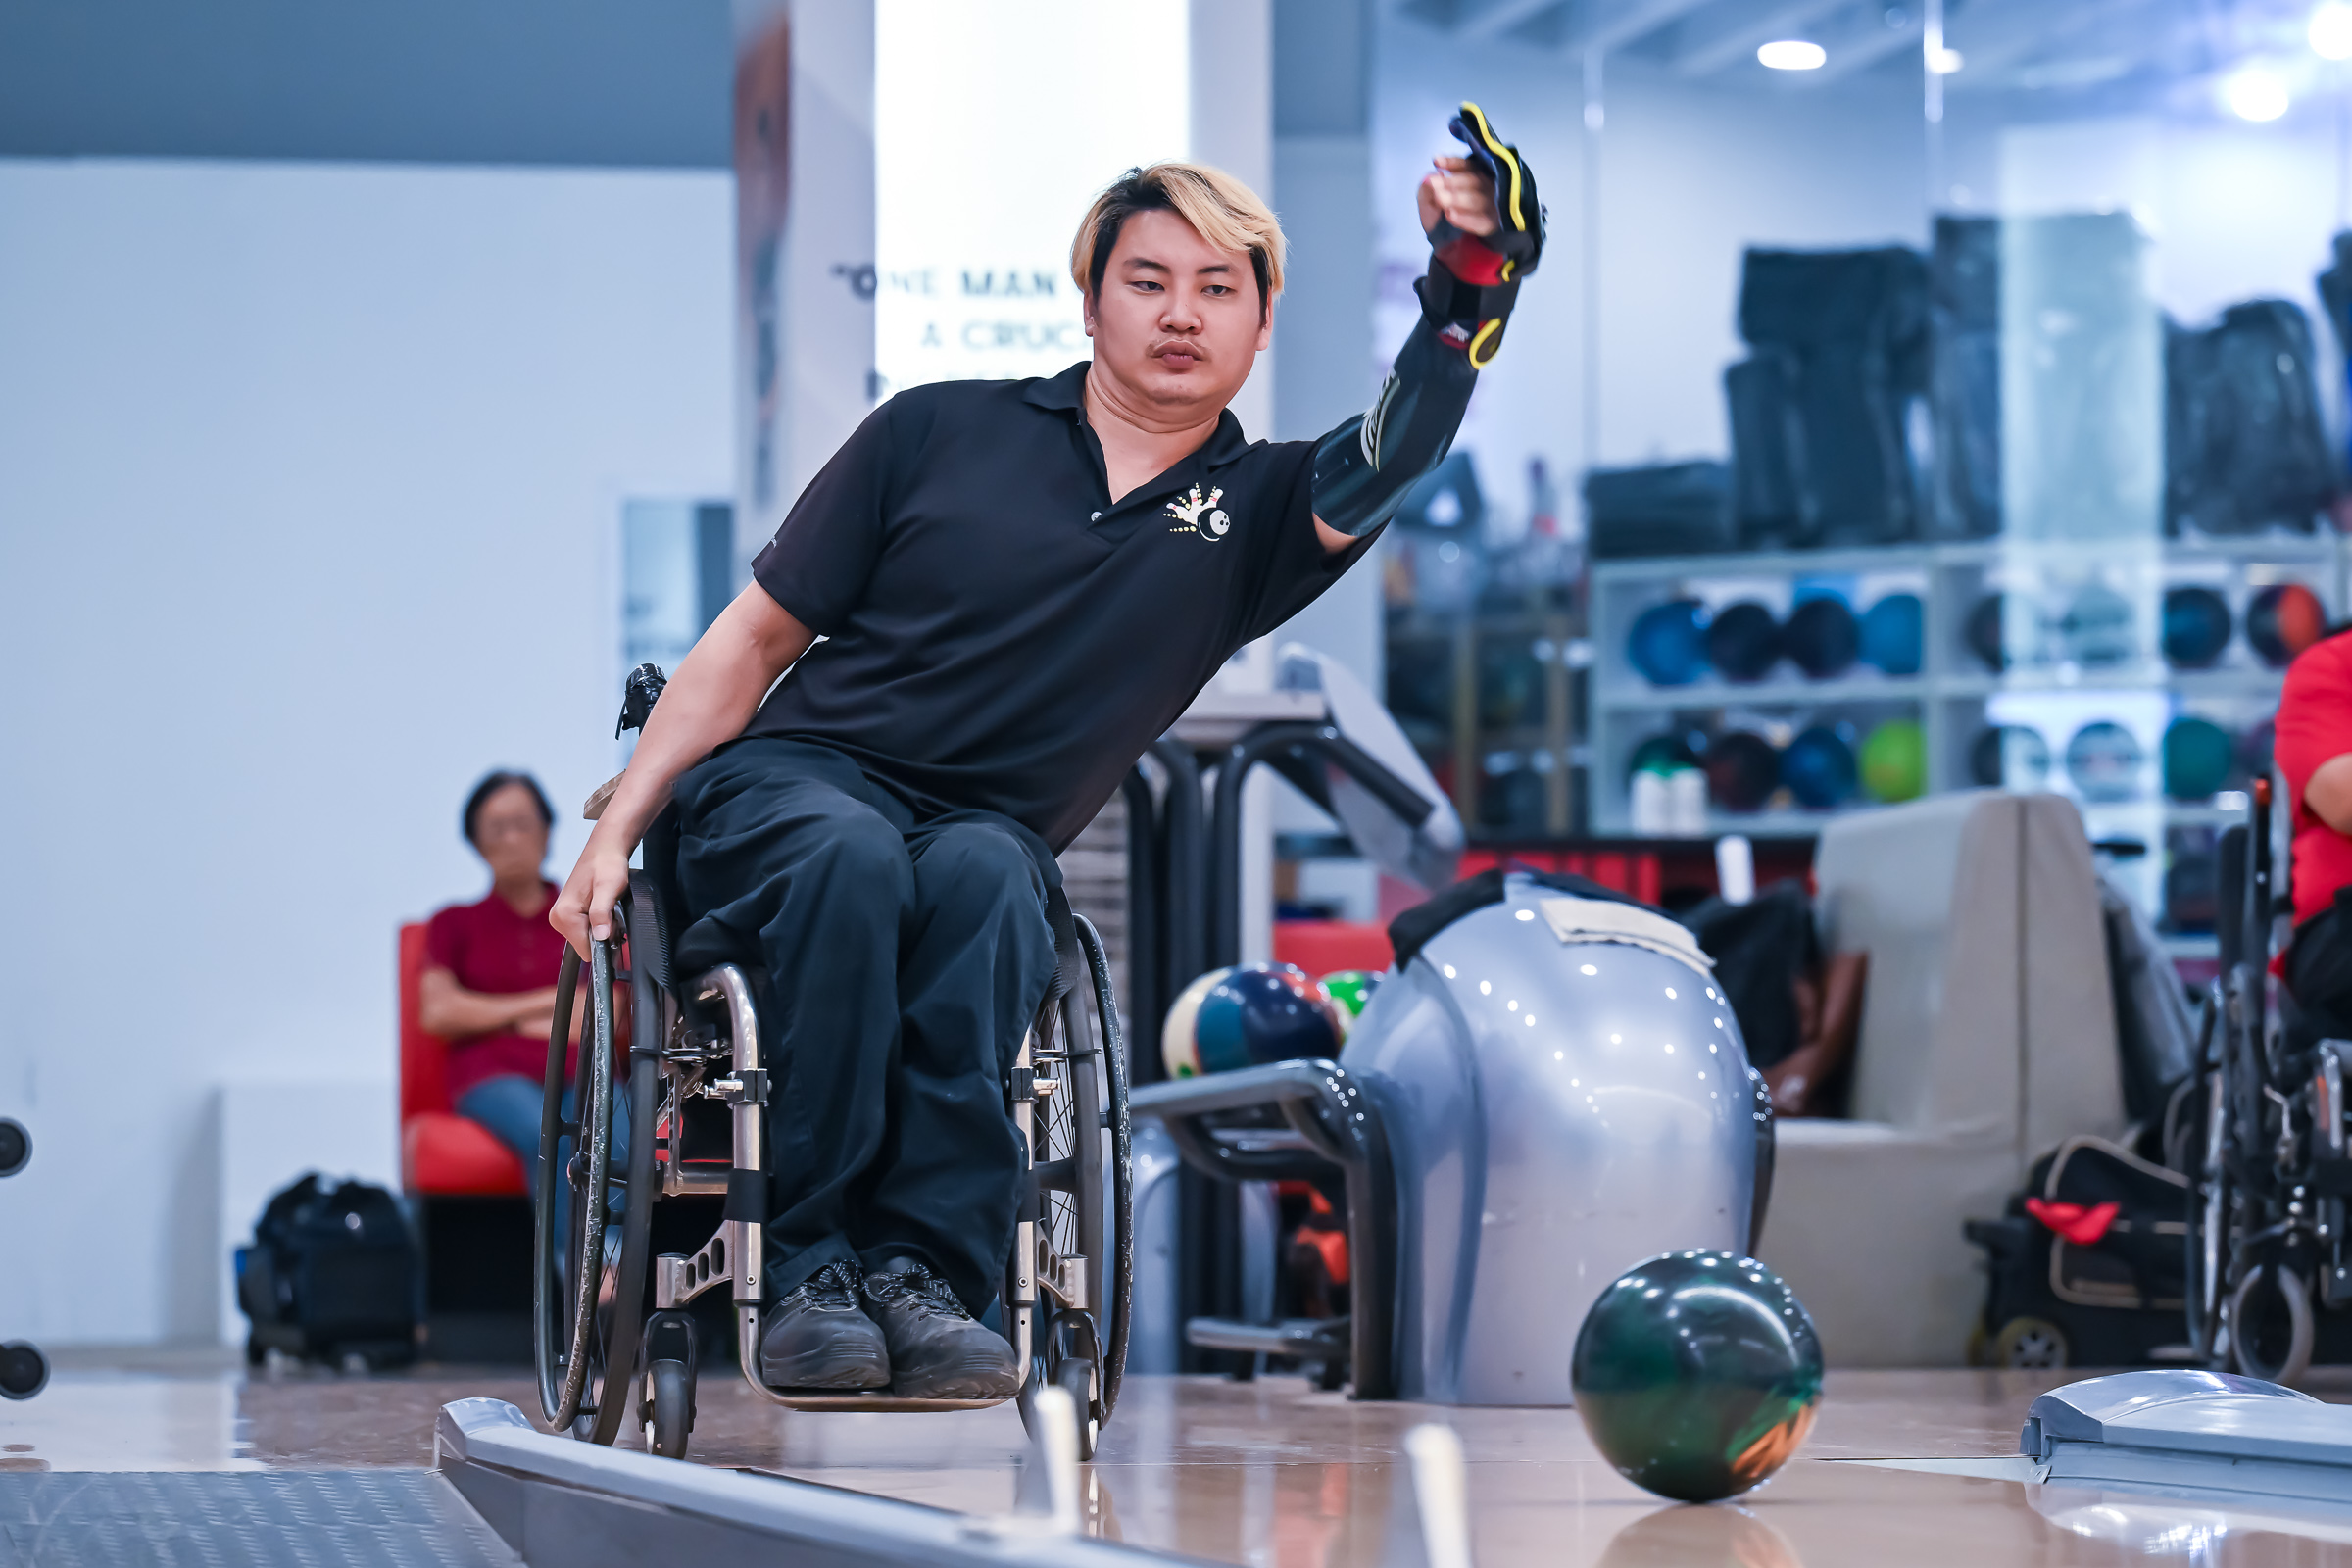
<point>1963,640</point>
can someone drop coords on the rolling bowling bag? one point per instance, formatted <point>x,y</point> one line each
<point>331,1275</point>
<point>2088,1266</point>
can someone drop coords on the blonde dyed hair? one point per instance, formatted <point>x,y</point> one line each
<point>1221,209</point>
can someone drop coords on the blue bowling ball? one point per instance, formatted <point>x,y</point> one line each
<point>1669,642</point>
<point>1743,641</point>
<point>1819,768</point>
<point>2197,627</point>
<point>1895,634</point>
<point>1265,1012</point>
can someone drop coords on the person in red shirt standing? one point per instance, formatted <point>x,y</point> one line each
<point>489,982</point>
<point>2314,752</point>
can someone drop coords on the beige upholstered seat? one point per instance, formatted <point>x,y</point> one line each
<point>1987,1037</point>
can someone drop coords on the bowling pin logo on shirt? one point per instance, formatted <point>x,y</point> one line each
<point>1189,509</point>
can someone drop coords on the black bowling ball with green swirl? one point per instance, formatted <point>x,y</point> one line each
<point>1697,1374</point>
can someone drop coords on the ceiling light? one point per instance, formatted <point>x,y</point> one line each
<point>1793,54</point>
<point>2255,94</point>
<point>1943,61</point>
<point>2331,30</point>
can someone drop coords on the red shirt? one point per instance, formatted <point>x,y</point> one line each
<point>2315,723</point>
<point>491,949</point>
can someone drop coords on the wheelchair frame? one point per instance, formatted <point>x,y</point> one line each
<point>2262,1126</point>
<point>1067,1283</point>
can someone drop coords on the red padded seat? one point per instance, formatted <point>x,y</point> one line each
<point>441,1152</point>
<point>1321,947</point>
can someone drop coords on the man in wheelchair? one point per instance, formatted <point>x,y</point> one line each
<point>991,601</point>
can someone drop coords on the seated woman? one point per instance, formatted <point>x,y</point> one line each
<point>489,982</point>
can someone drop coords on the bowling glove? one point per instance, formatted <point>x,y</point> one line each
<point>1364,467</point>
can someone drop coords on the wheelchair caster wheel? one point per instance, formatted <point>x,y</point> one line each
<point>669,1409</point>
<point>1077,1380</point>
<point>2271,1327</point>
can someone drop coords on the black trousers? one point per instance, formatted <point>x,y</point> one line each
<point>906,956</point>
<point>2319,976</point>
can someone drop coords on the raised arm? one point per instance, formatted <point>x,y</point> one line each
<point>1485,234</point>
<point>709,699</point>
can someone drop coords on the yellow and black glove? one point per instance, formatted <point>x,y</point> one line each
<point>1364,467</point>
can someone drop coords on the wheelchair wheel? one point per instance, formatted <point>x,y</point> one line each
<point>1084,1207</point>
<point>2270,1325</point>
<point>2200,1134</point>
<point>2030,1342</point>
<point>589,1285</point>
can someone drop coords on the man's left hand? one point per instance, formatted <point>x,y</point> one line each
<point>1460,193</point>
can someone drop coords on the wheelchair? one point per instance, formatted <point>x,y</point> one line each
<point>2261,1128</point>
<point>697,1089</point>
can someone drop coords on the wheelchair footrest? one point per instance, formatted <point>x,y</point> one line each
<point>1302,1338</point>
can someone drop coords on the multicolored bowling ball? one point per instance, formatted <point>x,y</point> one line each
<point>1743,641</point>
<point>1819,767</point>
<point>1895,634</point>
<point>1743,770</point>
<point>1260,1012</point>
<point>2198,754</point>
<point>1823,637</point>
<point>1697,1374</point>
<point>1668,644</point>
<point>2284,619</point>
<point>2104,761</point>
<point>2009,756</point>
<point>1894,762</point>
<point>2196,628</point>
<point>1179,1042</point>
<point>1349,991</point>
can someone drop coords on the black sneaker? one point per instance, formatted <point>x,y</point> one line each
<point>818,1337</point>
<point>936,1351</point>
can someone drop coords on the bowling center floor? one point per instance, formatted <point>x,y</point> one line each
<point>1902,1467</point>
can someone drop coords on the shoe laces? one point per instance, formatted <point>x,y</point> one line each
<point>915,1286</point>
<point>831,1288</point>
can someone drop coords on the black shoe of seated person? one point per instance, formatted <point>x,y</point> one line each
<point>937,1351</point>
<point>818,1337</point>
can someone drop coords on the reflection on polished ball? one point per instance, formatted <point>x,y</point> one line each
<point>1697,1374</point>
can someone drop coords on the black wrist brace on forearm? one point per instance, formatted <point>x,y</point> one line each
<point>1364,467</point>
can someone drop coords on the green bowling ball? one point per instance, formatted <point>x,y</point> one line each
<point>1349,990</point>
<point>1894,762</point>
<point>1697,1374</point>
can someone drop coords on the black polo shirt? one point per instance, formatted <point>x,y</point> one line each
<point>998,633</point>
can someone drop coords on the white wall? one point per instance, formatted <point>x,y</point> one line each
<point>309,479</point>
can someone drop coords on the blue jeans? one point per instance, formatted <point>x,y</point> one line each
<point>508,1104</point>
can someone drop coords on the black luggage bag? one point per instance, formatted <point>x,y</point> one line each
<point>331,1275</point>
<point>2089,1266</point>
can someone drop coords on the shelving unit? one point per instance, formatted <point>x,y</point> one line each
<point>1490,699</point>
<point>2063,673</point>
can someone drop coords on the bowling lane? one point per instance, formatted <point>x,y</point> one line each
<point>1271,1473</point>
